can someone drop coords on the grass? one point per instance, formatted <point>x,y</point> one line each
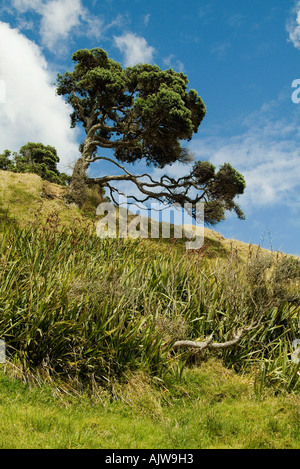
<point>87,309</point>
<point>89,326</point>
<point>211,408</point>
<point>27,199</point>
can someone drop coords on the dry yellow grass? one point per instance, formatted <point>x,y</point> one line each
<point>27,198</point>
<point>24,197</point>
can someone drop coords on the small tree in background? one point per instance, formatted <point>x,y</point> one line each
<point>39,159</point>
<point>35,158</point>
<point>142,113</point>
<point>6,164</point>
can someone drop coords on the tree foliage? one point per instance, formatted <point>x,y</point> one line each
<point>35,158</point>
<point>6,164</point>
<point>143,113</point>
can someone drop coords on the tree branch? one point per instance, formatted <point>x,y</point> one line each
<point>167,192</point>
<point>212,345</point>
<point>80,108</point>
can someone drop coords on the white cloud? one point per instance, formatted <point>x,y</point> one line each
<point>60,19</point>
<point>94,27</point>
<point>172,62</point>
<point>24,5</point>
<point>267,153</point>
<point>32,111</point>
<point>293,26</point>
<point>147,19</point>
<point>135,49</point>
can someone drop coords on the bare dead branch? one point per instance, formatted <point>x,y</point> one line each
<point>213,345</point>
<point>168,189</point>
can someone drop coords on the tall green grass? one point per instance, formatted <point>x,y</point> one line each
<point>88,311</point>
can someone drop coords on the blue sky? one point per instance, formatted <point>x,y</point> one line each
<point>241,57</point>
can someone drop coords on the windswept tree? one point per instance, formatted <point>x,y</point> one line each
<point>42,160</point>
<point>35,158</point>
<point>142,113</point>
<point>39,158</point>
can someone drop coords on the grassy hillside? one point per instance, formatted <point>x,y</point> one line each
<point>27,199</point>
<point>95,321</point>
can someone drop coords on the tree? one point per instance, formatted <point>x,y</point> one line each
<point>37,153</point>
<point>40,159</point>
<point>142,113</point>
<point>35,158</point>
<point>6,164</point>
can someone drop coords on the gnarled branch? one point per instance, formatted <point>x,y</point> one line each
<point>212,345</point>
<point>170,191</point>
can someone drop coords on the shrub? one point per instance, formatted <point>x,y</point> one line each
<point>35,158</point>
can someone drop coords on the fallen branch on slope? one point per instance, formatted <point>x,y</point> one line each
<point>208,343</point>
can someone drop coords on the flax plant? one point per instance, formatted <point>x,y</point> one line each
<point>89,311</point>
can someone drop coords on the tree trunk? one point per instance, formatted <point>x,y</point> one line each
<point>79,183</point>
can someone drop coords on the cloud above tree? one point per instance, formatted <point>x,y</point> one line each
<point>293,26</point>
<point>134,48</point>
<point>32,111</point>
<point>60,19</point>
